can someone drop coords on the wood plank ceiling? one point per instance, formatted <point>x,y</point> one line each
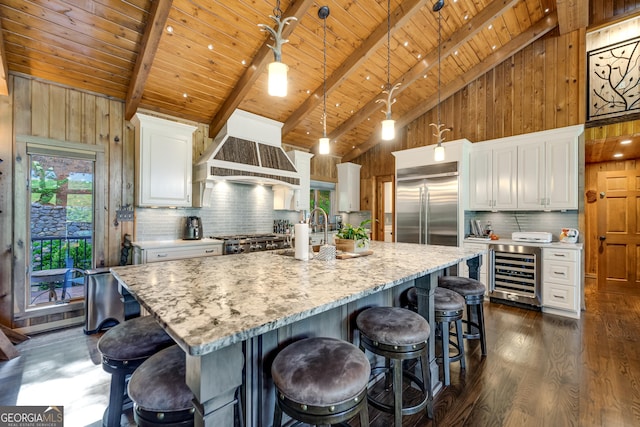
<point>214,59</point>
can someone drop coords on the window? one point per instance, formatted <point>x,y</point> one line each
<point>323,196</point>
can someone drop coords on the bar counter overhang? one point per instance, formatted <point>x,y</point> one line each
<point>232,314</point>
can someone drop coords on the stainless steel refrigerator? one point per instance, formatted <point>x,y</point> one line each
<point>427,204</point>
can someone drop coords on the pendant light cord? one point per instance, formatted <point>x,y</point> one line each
<point>439,60</point>
<point>324,83</point>
<point>388,44</point>
<point>277,12</point>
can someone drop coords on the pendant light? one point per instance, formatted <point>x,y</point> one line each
<point>388,124</point>
<point>277,82</point>
<point>438,153</point>
<point>324,147</point>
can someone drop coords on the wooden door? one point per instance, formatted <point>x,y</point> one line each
<point>619,232</point>
<point>383,221</point>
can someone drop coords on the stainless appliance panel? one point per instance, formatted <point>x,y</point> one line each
<point>427,205</point>
<point>515,274</point>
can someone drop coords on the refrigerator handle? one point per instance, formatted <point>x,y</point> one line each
<point>420,225</point>
<point>427,213</point>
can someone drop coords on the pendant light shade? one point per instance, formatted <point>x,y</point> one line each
<point>438,154</point>
<point>277,79</point>
<point>323,144</point>
<point>324,147</point>
<point>388,129</point>
<point>277,70</point>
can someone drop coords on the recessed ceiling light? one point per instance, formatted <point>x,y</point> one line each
<point>455,53</point>
<point>466,17</point>
<point>419,56</point>
<point>546,10</point>
<point>308,132</point>
<point>244,62</point>
<point>367,78</point>
<point>406,44</point>
<point>617,155</point>
<point>210,47</point>
<point>337,104</point>
<point>308,91</point>
<point>493,47</point>
<point>626,141</point>
<point>184,95</point>
<point>490,26</point>
<point>424,76</point>
<point>169,29</point>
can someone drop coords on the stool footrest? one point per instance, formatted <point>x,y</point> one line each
<point>406,410</point>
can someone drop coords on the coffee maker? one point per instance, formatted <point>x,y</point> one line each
<point>192,228</point>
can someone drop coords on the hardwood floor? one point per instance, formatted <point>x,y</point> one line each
<point>541,370</point>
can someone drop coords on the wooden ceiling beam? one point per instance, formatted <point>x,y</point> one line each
<point>259,62</point>
<point>399,17</point>
<point>457,39</point>
<point>150,40</point>
<point>572,15</point>
<point>4,69</point>
<point>523,40</point>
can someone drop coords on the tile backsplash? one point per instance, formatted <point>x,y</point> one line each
<point>505,223</point>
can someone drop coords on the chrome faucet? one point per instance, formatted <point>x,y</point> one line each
<point>326,224</point>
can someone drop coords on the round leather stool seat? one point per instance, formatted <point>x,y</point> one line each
<point>448,307</point>
<point>465,286</point>
<point>473,292</point>
<point>398,334</point>
<point>159,392</point>
<point>135,339</point>
<point>321,381</point>
<point>123,348</point>
<point>393,326</point>
<point>446,300</point>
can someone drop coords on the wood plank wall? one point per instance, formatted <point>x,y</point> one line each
<point>536,89</point>
<point>602,11</point>
<point>41,109</point>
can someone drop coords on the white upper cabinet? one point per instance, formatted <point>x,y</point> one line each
<point>493,177</point>
<point>348,187</point>
<point>548,174</point>
<point>163,162</point>
<point>536,171</point>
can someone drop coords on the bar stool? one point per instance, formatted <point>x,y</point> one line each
<point>473,292</point>
<point>159,392</point>
<point>448,306</point>
<point>124,347</point>
<point>398,334</point>
<point>321,381</point>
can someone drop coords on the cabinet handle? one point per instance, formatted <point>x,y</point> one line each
<point>162,255</point>
<point>559,273</point>
<point>559,296</point>
<point>561,255</point>
<point>209,251</point>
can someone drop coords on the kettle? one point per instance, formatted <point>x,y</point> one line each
<point>569,235</point>
<point>192,228</point>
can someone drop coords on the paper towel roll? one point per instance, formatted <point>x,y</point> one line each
<point>301,232</point>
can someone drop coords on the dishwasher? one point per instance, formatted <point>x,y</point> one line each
<point>515,275</point>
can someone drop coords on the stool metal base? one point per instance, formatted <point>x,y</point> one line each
<point>444,319</point>
<point>475,321</point>
<point>119,401</point>
<point>398,353</point>
<point>322,415</point>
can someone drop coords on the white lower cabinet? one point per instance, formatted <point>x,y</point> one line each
<point>155,252</point>
<point>561,280</point>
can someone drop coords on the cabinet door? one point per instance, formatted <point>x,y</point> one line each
<point>348,187</point>
<point>531,176</point>
<point>561,182</point>
<point>480,180</point>
<point>505,177</point>
<point>163,150</point>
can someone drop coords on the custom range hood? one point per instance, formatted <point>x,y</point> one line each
<point>248,149</point>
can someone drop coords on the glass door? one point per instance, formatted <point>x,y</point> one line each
<point>61,228</point>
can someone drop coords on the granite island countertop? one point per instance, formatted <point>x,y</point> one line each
<point>209,303</point>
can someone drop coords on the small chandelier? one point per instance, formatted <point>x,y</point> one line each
<point>277,84</point>
<point>438,153</point>
<point>324,147</point>
<point>388,124</point>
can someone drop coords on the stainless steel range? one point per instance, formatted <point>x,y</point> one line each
<point>244,243</point>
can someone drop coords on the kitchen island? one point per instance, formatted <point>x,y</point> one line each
<point>231,314</point>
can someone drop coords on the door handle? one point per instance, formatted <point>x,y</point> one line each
<point>603,238</point>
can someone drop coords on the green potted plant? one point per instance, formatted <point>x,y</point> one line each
<point>353,239</point>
